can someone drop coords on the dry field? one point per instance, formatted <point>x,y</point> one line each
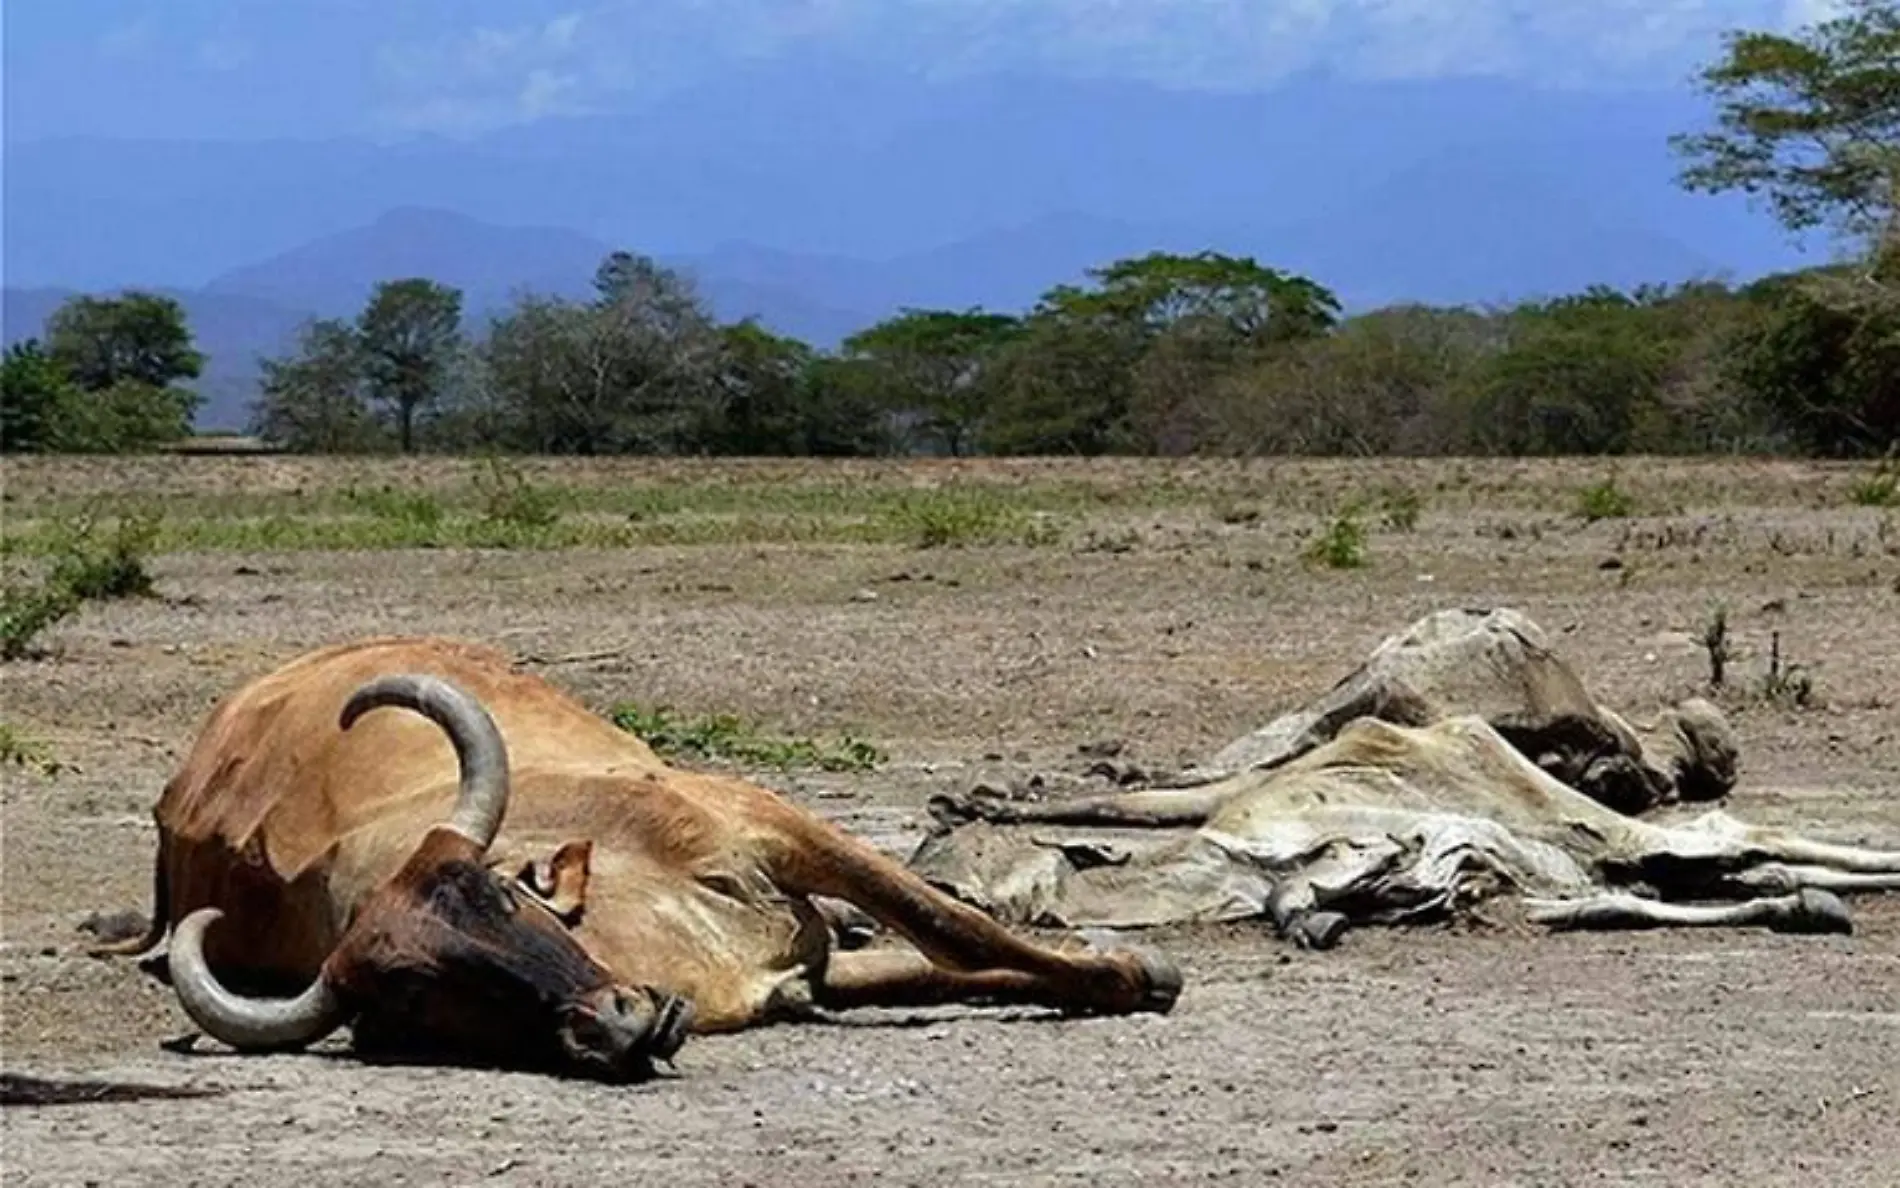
<point>979,622</point>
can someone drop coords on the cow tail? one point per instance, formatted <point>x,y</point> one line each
<point>160,921</point>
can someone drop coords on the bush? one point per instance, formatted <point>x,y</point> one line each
<point>1342,545</point>
<point>1604,501</point>
<point>1880,488</point>
<point>26,613</point>
<point>86,567</point>
<point>95,569</point>
<point>511,502</point>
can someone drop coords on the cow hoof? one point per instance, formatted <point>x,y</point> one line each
<point>1320,931</point>
<point>1161,981</point>
<point>1815,912</point>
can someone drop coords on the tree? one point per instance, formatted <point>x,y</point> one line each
<point>634,371</point>
<point>123,358</point>
<point>35,395</point>
<point>1810,120</point>
<point>937,364</point>
<point>1391,381</point>
<point>137,338</point>
<point>409,334</point>
<point>1830,376</point>
<point>316,401</point>
<point>1129,361</point>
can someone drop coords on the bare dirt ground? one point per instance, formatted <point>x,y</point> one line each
<point>1440,1056</point>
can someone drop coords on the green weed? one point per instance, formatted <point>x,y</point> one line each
<point>732,739</point>
<point>1342,545</point>
<point>1604,501</point>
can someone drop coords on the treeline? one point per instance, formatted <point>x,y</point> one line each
<point>1162,354</point>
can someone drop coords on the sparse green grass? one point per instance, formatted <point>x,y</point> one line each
<point>732,739</point>
<point>1605,500</point>
<point>1342,544</point>
<point>88,565</point>
<point>26,753</point>
<point>1881,488</point>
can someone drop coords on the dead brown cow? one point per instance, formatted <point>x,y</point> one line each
<point>523,884</point>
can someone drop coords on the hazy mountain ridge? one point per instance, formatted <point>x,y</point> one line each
<point>821,202</point>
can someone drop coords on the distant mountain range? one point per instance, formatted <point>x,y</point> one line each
<point>820,202</point>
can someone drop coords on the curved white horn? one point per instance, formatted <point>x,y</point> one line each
<point>248,1024</point>
<point>479,748</point>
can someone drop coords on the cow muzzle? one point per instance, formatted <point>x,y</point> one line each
<point>616,1033</point>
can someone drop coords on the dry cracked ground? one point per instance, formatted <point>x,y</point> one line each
<point>1170,608</point>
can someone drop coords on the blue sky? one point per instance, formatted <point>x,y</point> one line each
<point>389,68</point>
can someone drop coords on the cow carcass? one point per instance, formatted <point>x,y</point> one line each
<point>1463,761</point>
<point>464,864</point>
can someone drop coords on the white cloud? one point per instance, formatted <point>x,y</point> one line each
<point>578,60</point>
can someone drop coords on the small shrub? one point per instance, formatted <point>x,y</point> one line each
<point>1879,489</point>
<point>511,502</point>
<point>1786,685</point>
<point>1604,501</point>
<point>732,739</point>
<point>25,613</point>
<point>1342,545</point>
<point>941,520</point>
<point>1715,643</point>
<point>95,567</point>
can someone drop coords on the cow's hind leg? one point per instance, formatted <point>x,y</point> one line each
<point>1151,808</point>
<point>900,978</point>
<point>1809,910</point>
<point>982,960</point>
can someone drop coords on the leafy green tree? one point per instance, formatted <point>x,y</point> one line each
<point>35,394</point>
<point>409,335</point>
<point>937,364</point>
<point>316,400</point>
<point>1830,376</point>
<point>1063,386</point>
<point>122,358</point>
<point>137,337</point>
<point>1129,360</point>
<point>1811,121</point>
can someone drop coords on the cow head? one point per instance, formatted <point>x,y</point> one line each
<point>449,960</point>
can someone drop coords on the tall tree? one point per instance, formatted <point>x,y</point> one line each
<point>316,401</point>
<point>140,338</point>
<point>633,371</point>
<point>1811,121</point>
<point>1178,323</point>
<point>35,395</point>
<point>937,364</point>
<point>121,359</point>
<point>409,334</point>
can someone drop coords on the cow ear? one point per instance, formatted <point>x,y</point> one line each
<point>561,881</point>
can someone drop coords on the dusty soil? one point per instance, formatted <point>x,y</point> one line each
<point>1472,1056</point>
